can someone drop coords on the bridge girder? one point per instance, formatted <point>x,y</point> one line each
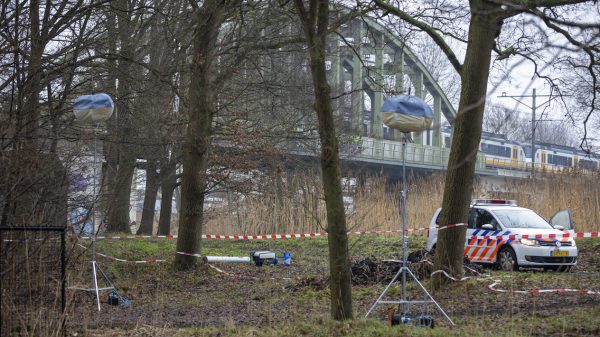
<point>371,60</point>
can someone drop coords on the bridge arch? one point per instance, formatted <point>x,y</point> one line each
<point>371,62</point>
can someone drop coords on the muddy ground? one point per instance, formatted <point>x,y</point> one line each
<point>244,294</point>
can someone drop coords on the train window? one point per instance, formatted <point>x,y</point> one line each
<point>447,142</point>
<point>560,160</point>
<point>496,150</point>
<point>587,164</point>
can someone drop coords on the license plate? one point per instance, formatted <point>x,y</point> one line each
<point>560,253</point>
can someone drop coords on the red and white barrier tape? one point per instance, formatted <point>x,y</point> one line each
<point>312,235</point>
<point>129,261</point>
<point>534,291</point>
<point>256,237</point>
<point>542,291</point>
<point>124,260</point>
<point>443,272</point>
<point>251,237</point>
<point>209,236</point>
<point>388,231</point>
<point>537,236</point>
<point>127,237</point>
<point>189,254</point>
<point>450,226</point>
<point>267,236</point>
<point>220,270</point>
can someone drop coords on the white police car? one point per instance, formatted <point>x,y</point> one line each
<point>489,218</point>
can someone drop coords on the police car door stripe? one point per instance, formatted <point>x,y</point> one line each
<point>488,245</point>
<point>499,243</point>
<point>495,251</point>
<point>481,249</point>
<point>473,254</point>
<point>492,245</point>
<point>470,242</point>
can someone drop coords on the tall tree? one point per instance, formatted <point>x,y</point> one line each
<point>159,116</point>
<point>208,20</point>
<point>487,18</point>
<point>315,24</point>
<point>35,83</point>
<point>125,128</point>
<point>226,34</point>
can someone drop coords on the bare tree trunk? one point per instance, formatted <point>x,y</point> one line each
<point>157,103</point>
<point>209,19</point>
<point>111,149</point>
<point>118,213</point>
<point>484,27</point>
<point>150,191</point>
<point>315,24</point>
<point>167,187</point>
<point>29,113</point>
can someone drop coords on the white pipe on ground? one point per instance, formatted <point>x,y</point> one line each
<point>227,259</point>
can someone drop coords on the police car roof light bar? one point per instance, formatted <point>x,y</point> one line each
<point>494,202</point>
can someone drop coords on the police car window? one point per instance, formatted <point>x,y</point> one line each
<point>523,218</point>
<point>484,217</point>
<point>472,217</point>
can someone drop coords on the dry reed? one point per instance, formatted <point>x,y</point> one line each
<point>296,205</point>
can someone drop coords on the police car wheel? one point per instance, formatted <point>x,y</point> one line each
<point>507,260</point>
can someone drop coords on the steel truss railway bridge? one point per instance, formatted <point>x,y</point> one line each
<point>370,62</point>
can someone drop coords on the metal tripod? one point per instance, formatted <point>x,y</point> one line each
<point>95,271</point>
<point>95,268</point>
<point>404,301</point>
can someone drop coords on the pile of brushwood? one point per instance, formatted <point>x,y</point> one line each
<point>371,271</point>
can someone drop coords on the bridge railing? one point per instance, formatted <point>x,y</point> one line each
<point>383,149</point>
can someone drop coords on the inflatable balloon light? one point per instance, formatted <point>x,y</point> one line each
<point>406,113</point>
<point>93,108</point>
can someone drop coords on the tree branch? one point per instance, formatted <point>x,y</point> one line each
<point>429,30</point>
<point>589,50</point>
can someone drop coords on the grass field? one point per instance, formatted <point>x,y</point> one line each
<point>245,300</point>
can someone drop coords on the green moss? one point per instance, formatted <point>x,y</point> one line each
<point>308,293</point>
<point>364,292</point>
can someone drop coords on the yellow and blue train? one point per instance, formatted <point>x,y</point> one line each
<point>503,153</point>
